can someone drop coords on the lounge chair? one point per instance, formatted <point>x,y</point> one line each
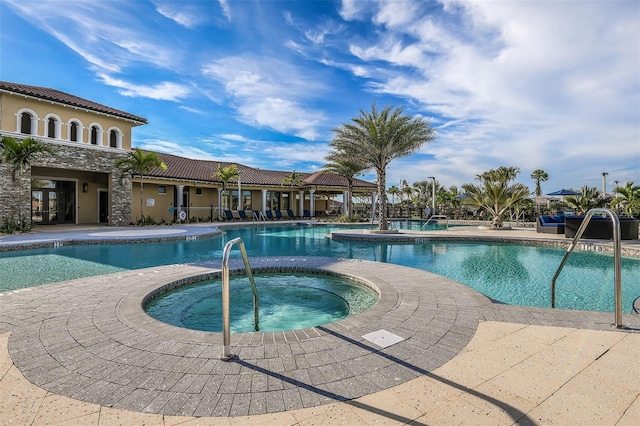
<point>228,214</point>
<point>290,214</point>
<point>242,215</point>
<point>278,214</point>
<point>306,214</point>
<point>269,214</point>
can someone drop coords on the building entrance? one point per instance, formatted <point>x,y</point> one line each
<point>53,202</point>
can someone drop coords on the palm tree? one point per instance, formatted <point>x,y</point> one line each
<point>20,154</point>
<point>422,192</point>
<point>225,174</point>
<point>140,163</point>
<point>539,176</point>
<point>376,138</point>
<point>293,179</point>
<point>589,198</point>
<point>495,194</point>
<point>627,198</point>
<point>340,164</point>
<point>393,191</point>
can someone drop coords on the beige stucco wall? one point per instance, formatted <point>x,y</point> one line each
<point>12,104</point>
<point>160,208</point>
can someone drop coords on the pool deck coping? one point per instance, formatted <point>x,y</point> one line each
<point>492,376</point>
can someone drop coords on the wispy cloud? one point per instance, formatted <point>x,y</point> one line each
<point>107,44</point>
<point>269,92</point>
<point>163,91</point>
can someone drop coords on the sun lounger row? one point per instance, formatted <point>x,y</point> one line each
<point>268,215</point>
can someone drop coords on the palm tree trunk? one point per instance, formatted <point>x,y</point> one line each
<point>382,200</point>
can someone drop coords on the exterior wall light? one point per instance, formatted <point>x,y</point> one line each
<point>85,187</point>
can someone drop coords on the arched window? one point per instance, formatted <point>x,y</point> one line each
<point>52,126</point>
<point>94,135</point>
<point>115,138</point>
<point>25,123</point>
<point>73,132</point>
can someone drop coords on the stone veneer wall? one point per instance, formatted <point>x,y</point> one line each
<point>69,158</point>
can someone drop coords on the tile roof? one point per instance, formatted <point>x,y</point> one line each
<point>204,171</point>
<point>66,99</point>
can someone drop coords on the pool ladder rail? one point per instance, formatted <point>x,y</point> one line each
<point>226,330</point>
<point>617,262</point>
<point>435,216</point>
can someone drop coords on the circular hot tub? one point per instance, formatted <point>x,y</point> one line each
<point>287,301</point>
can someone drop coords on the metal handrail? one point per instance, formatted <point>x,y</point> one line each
<point>436,216</point>
<point>617,262</point>
<point>259,217</point>
<point>226,330</point>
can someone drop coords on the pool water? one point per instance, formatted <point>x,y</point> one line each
<point>508,273</point>
<point>286,302</point>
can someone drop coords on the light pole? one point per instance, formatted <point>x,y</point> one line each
<point>604,184</point>
<point>433,195</point>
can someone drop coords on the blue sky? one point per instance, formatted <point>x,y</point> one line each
<point>552,85</point>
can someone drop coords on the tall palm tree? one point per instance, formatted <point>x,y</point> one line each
<point>539,176</point>
<point>341,165</point>
<point>140,163</point>
<point>20,154</point>
<point>495,193</point>
<point>376,138</point>
<point>225,174</point>
<point>627,198</point>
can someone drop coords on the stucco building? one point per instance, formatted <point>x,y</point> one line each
<point>78,182</point>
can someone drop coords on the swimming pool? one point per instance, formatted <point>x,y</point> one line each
<point>508,273</point>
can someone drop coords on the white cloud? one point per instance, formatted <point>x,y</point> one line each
<point>175,148</point>
<point>163,91</point>
<point>183,13</point>
<point>110,45</point>
<point>269,92</point>
<point>350,9</point>
<point>226,9</point>
<point>525,80</point>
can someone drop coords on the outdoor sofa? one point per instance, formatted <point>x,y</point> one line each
<point>601,227</point>
<point>550,224</point>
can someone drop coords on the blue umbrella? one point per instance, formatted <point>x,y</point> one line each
<point>564,192</point>
<point>462,196</point>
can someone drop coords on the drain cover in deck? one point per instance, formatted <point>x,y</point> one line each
<point>383,338</point>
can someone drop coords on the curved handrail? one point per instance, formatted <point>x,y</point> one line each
<point>226,329</point>
<point>436,216</point>
<point>617,262</point>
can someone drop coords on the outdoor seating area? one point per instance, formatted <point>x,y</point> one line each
<point>601,228</point>
<point>241,215</point>
<point>598,228</point>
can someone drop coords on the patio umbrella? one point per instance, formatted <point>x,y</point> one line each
<point>564,192</point>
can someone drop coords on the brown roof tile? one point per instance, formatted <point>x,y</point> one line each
<point>66,99</point>
<point>204,171</point>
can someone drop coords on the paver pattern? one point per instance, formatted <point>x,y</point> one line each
<point>96,358</point>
